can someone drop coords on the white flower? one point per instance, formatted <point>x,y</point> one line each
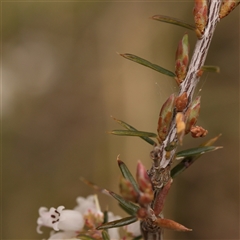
<point>88,205</point>
<point>113,232</point>
<point>134,229</point>
<point>63,235</point>
<point>60,219</point>
<point>71,222</point>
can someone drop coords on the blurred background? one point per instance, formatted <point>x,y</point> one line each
<point>62,80</point>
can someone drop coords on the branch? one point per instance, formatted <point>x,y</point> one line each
<point>159,154</point>
<point>201,50</point>
<point>162,160</point>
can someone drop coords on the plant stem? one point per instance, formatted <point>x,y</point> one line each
<point>160,170</point>
<point>188,85</point>
<point>201,50</point>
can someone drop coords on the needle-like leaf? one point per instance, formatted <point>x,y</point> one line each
<point>94,186</point>
<point>209,68</point>
<point>133,133</point>
<point>174,21</point>
<point>196,151</point>
<point>188,160</point>
<point>127,174</point>
<point>105,235</point>
<point>132,208</point>
<point>131,128</point>
<point>118,223</point>
<point>146,63</point>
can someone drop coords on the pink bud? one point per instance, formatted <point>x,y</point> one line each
<point>161,197</point>
<point>227,7</point>
<point>181,102</point>
<point>200,12</point>
<point>143,179</point>
<point>197,131</point>
<point>165,117</point>
<point>127,190</point>
<point>181,126</point>
<point>170,224</point>
<point>192,114</point>
<point>182,59</point>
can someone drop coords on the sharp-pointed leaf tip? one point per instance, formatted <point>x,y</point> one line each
<point>120,162</point>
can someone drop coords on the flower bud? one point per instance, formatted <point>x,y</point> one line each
<point>145,198</point>
<point>227,7</point>
<point>182,59</point>
<point>180,126</point>
<point>165,117</point>
<point>199,73</point>
<point>161,197</point>
<point>181,102</point>
<point>192,114</point>
<point>143,179</point>
<point>200,12</point>
<point>170,224</point>
<point>197,132</point>
<point>142,213</point>
<point>127,190</point>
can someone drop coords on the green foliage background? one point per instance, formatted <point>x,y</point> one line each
<point>61,81</point>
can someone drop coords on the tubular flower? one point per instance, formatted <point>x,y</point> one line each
<point>133,229</point>
<point>88,205</point>
<point>60,219</point>
<point>113,232</point>
<point>82,220</point>
<point>63,235</point>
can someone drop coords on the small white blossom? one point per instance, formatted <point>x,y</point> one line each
<point>60,219</point>
<point>134,229</point>
<point>70,223</point>
<point>113,232</point>
<point>44,219</point>
<point>63,235</point>
<point>88,205</point>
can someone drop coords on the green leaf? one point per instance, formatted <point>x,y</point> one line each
<point>183,165</point>
<point>208,68</point>
<point>132,208</point>
<point>190,159</point>
<point>127,174</point>
<point>173,21</point>
<point>133,133</point>
<point>105,235</point>
<point>126,210</point>
<point>148,64</point>
<point>105,216</point>
<point>118,223</point>
<point>129,127</point>
<point>195,151</point>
